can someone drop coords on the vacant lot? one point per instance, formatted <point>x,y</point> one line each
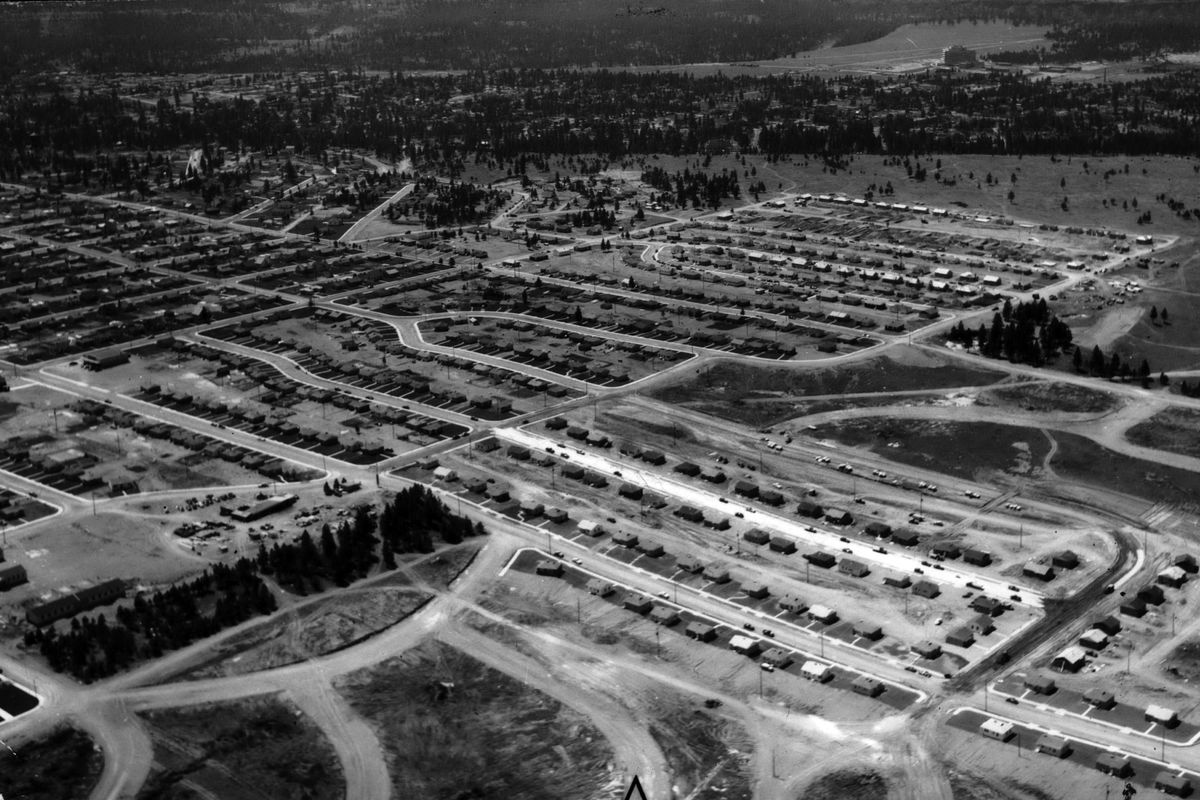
<point>453,727</point>
<point>1081,460</point>
<point>961,449</point>
<point>1176,430</point>
<point>240,751</point>
<point>63,765</point>
<point>1184,661</point>
<point>707,753</point>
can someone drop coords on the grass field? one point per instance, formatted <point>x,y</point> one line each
<point>701,746</point>
<point>1176,430</point>
<point>240,751</point>
<point>487,736</point>
<point>961,449</point>
<point>64,764</point>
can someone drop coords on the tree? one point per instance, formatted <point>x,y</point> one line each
<point>1077,360</point>
<point>1096,365</point>
<point>1163,317</point>
<point>1163,380</point>
<point>1153,314</point>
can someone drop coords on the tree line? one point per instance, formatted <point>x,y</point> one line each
<point>1027,333</point>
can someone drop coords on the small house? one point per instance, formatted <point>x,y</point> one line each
<point>782,544</point>
<point>793,603</point>
<point>1051,745</point>
<point>1113,764</point>
<point>651,549</point>
<point>717,573</point>
<point>807,508</point>
<point>1100,698</point>
<point>898,581</point>
<point>927,649</point>
<point>700,631</point>
<point>638,604</point>
<point>868,630</point>
<point>1134,607</point>
<point>816,671</point>
<point>1168,782</point>
<point>906,538</point>
<point>838,516</point>
<point>1070,660</point>
<point>690,563</point>
<point>664,615</point>
<point>979,558</point>
<point>1094,639</point>
<point>1173,577</point>
<point>600,587</point>
<point>757,536</point>
<point>625,539</point>
<point>819,558</point>
<point>1152,594</point>
<point>867,686</point>
<point>880,530</point>
<point>556,515</point>
<point>822,614</point>
<point>961,637</point>
<point>687,468</point>
<point>550,568</point>
<point>1040,684</point>
<point>755,589</point>
<point>778,658</point>
<point>925,588</point>
<point>1065,559</point>
<point>981,625</point>
<point>745,645</point>
<point>855,569</point>
<point>1039,570</point>
<point>999,729</point>
<point>1110,625</point>
<point>987,605</point>
<point>1162,715</point>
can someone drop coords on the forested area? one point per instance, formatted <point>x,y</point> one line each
<point>1026,333</point>
<point>165,36</point>
<point>513,118</point>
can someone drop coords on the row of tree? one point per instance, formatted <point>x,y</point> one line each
<point>1023,334</point>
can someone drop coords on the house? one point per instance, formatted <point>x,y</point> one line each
<point>926,589</point>
<point>713,475</point>
<point>816,671</point>
<point>898,581</point>
<point>757,536</point>
<point>822,614</point>
<point>1038,569</point>
<point>987,605</point>
<point>1040,684</point>
<point>927,649</point>
<point>12,575</point>
<point>445,474</point>
<point>961,637</point>
<point>905,538</point>
<point>1070,660</point>
<point>690,513</point>
<point>638,604</point>
<point>600,587</point>
<point>577,433</point>
<point>700,631</point>
<point>772,498</point>
<point>530,509</point>
<point>654,457</point>
<point>573,471</point>
<point>819,558</point>
<point>1113,764</point>
<point>1052,745</point>
<point>518,452</point>
<point>999,729</point>
<point>755,589</point>
<point>946,550</point>
<point>1186,562</point>
<point>690,563</point>
<point>838,516</point>
<point>630,491</point>
<point>793,603</point>
<point>1094,639</point>
<point>868,630</point>
<point>1099,697</point>
<point>1161,715</point>
<point>625,539</point>
<point>589,527</point>
<point>1110,625</point>
<point>651,549</point>
<point>1173,577</point>
<point>867,686</point>
<point>1152,595</point>
<point>550,568</point>
<point>105,359</point>
<point>745,646</point>
<point>879,530</point>
<point>855,569</point>
<point>807,508</point>
<point>778,658</point>
<point>1065,559</point>
<point>476,485</point>
<point>979,558</point>
<point>782,544</point>
<point>981,625</point>
<point>687,468</point>
<point>745,489</point>
<point>1134,607</point>
<point>664,615</point>
<point>498,494</point>
<point>717,573</point>
<point>1169,783</point>
<point>264,507</point>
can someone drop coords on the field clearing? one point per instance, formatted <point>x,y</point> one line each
<point>708,754</point>
<point>334,622</point>
<point>64,764</point>
<point>848,784</point>
<point>1168,347</point>
<point>240,751</point>
<point>110,544</point>
<point>485,734</point>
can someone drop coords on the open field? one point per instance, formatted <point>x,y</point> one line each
<point>937,445</point>
<point>847,784</point>
<point>240,751</point>
<point>451,725</point>
<point>766,395</point>
<point>64,764</point>
<point>1081,460</point>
